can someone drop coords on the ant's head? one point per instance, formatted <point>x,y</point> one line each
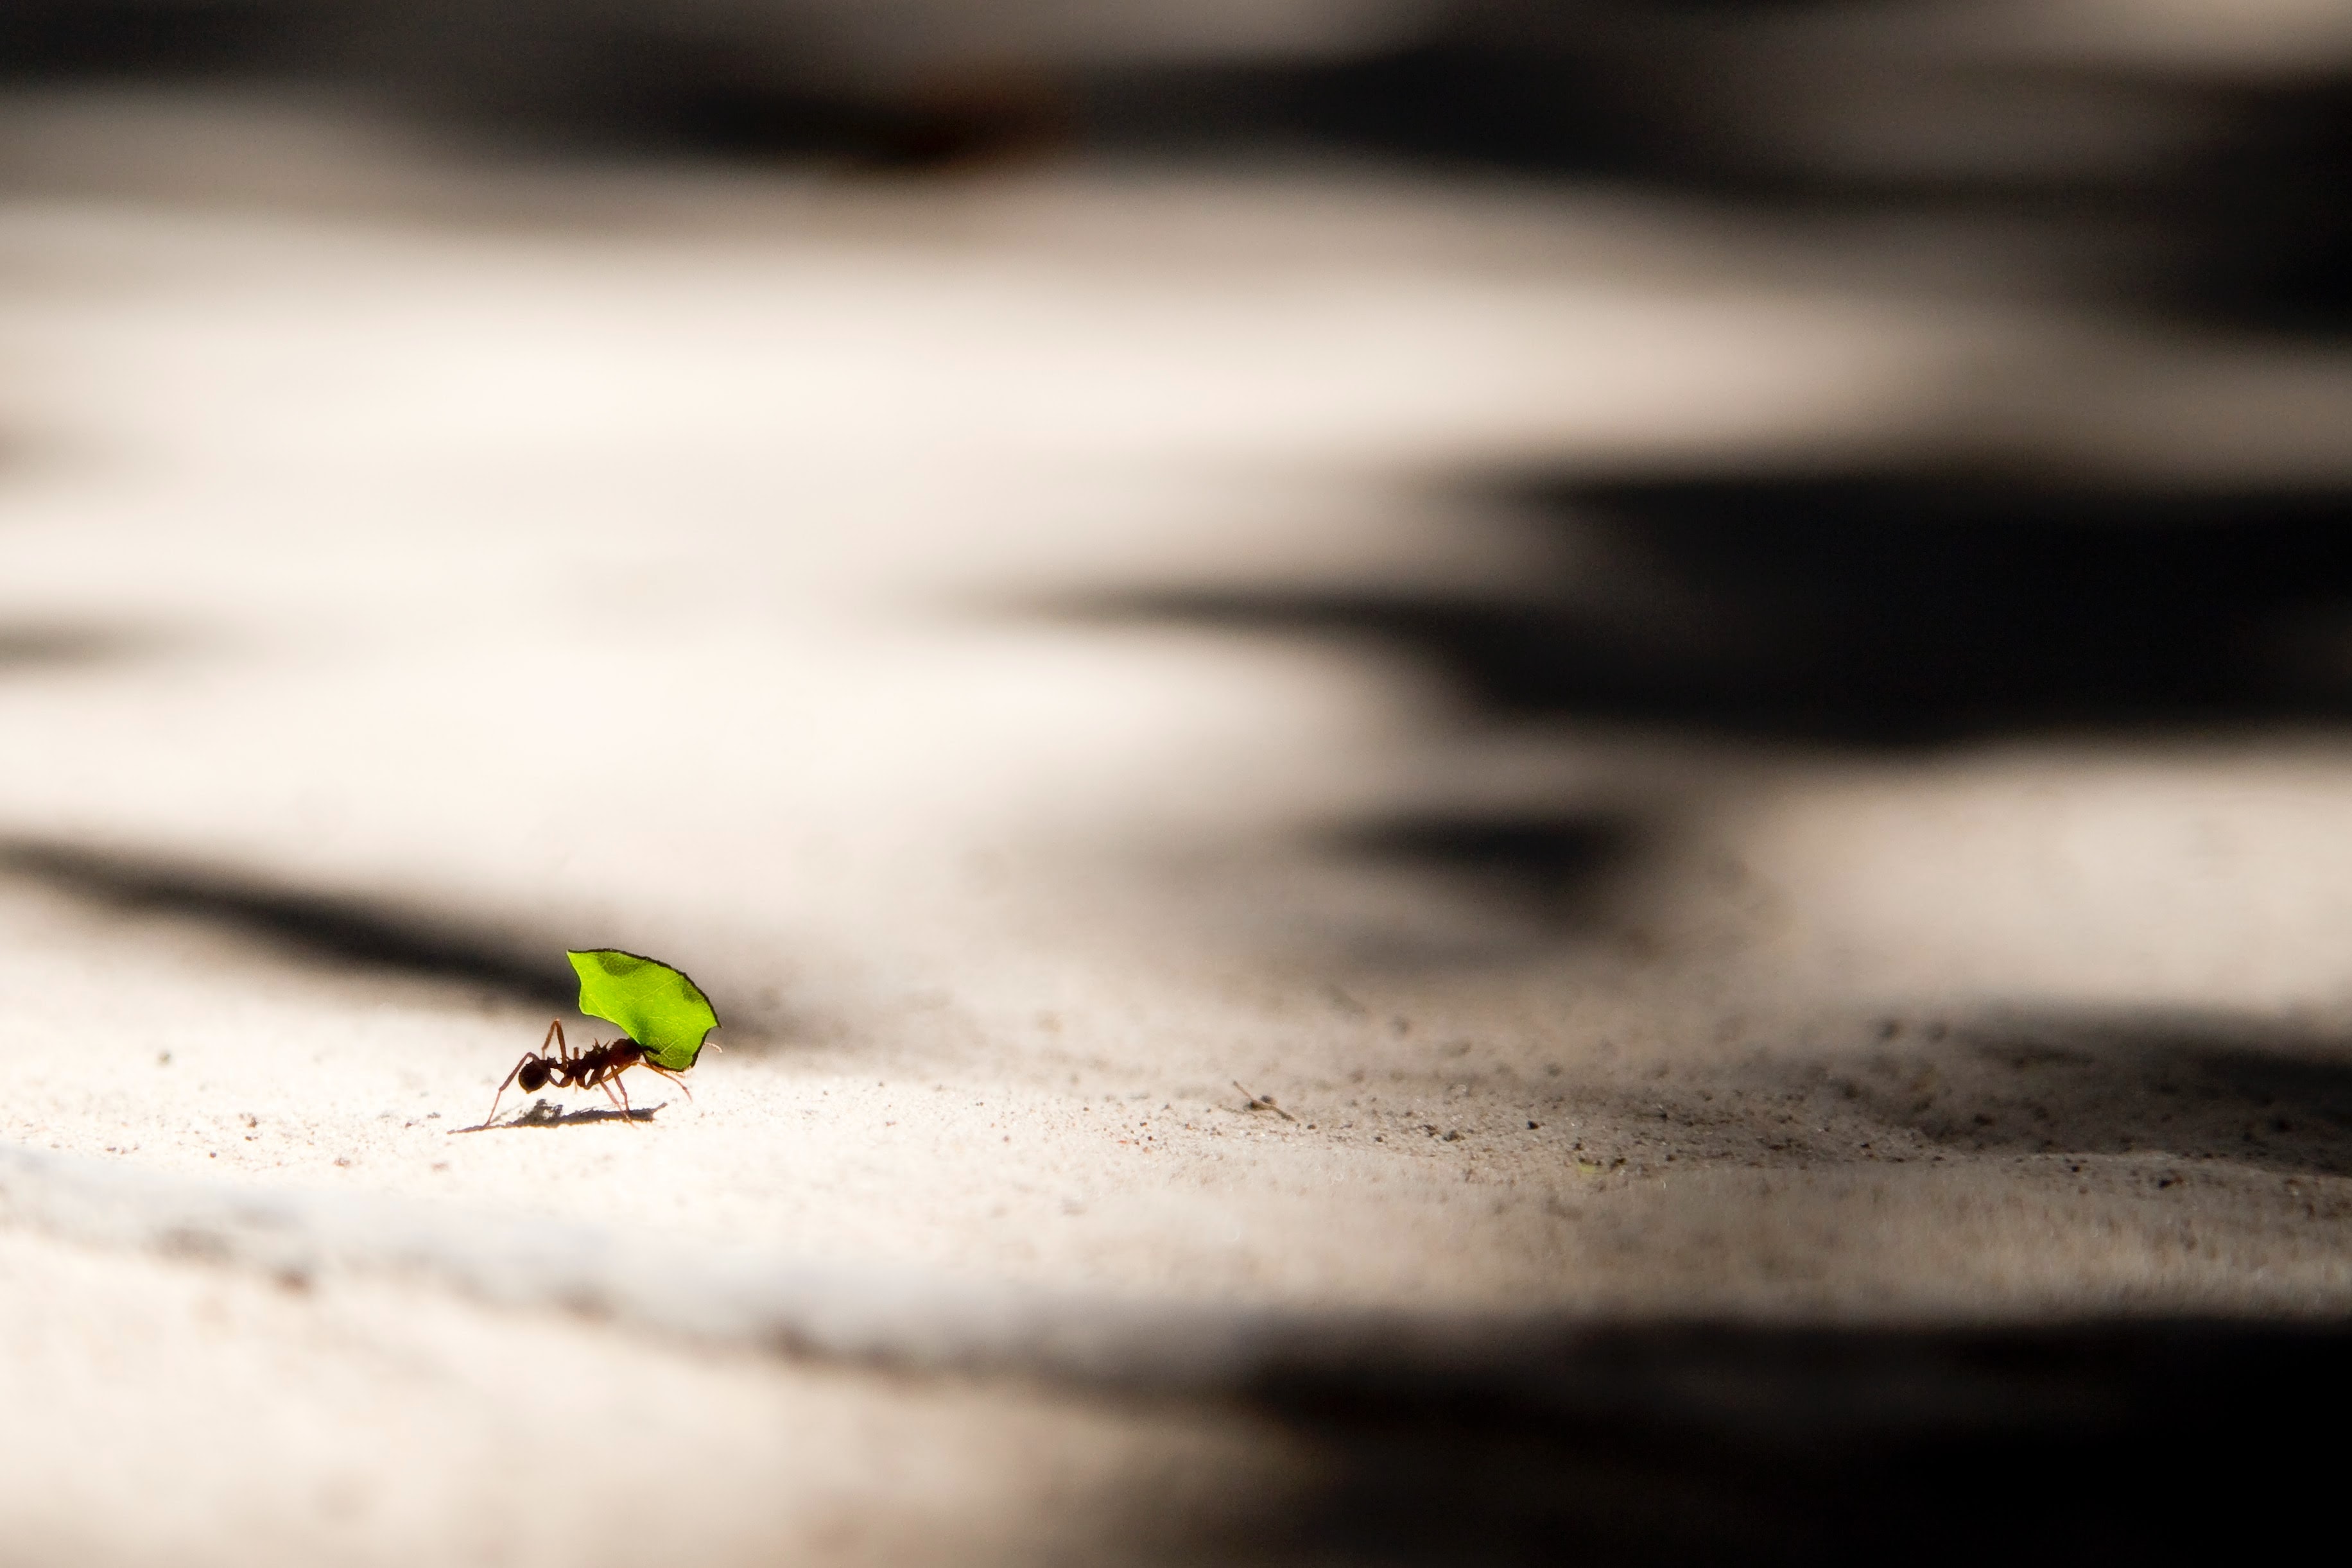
<point>535,1074</point>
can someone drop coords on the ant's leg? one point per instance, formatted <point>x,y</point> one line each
<point>556,1033</point>
<point>602,1078</point>
<point>619,1097</point>
<point>673,1078</point>
<point>502,1088</point>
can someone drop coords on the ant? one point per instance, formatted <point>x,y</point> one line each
<point>598,1067</point>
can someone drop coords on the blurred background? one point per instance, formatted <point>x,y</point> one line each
<point>1709,645</point>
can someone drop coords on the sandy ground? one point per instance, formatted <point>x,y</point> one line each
<point>414,570</point>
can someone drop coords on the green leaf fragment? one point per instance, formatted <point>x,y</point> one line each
<point>655,1005</point>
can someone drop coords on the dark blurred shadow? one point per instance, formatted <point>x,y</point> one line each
<point>2170,1086</point>
<point>632,87</point>
<point>2211,190</point>
<point>48,40</point>
<point>2195,1088</point>
<point>2222,179</point>
<point>335,929</point>
<point>2260,236</point>
<point>1556,866</point>
<point>1880,609</point>
<point>26,647</point>
<point>2091,1441</point>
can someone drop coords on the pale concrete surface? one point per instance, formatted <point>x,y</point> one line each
<point>169,1412</point>
<point>414,570</point>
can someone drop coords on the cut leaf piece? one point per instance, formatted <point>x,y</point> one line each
<point>655,1005</point>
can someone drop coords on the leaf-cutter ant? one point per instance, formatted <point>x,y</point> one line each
<point>598,1067</point>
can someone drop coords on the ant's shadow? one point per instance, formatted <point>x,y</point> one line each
<point>547,1113</point>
